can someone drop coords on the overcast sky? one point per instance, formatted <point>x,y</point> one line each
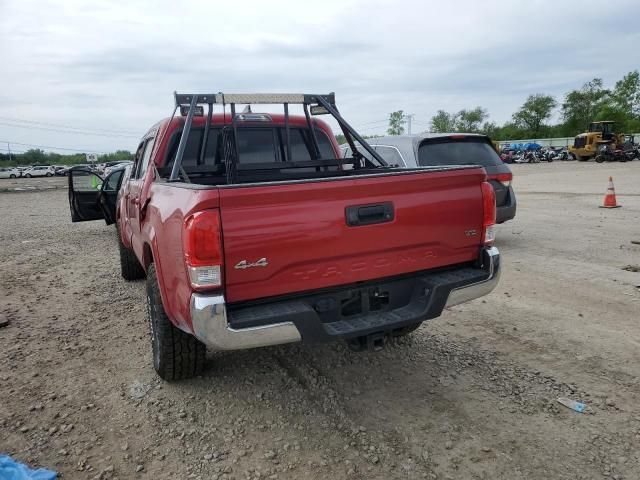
<point>93,65</point>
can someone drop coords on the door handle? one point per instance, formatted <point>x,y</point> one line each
<point>357,215</point>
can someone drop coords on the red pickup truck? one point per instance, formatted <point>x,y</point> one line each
<point>251,230</point>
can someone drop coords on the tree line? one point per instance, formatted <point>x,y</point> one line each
<point>37,156</point>
<point>592,102</point>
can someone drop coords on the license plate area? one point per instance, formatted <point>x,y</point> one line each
<point>356,302</point>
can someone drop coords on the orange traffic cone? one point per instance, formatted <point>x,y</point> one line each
<point>610,197</point>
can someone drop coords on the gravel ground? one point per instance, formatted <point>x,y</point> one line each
<point>471,394</point>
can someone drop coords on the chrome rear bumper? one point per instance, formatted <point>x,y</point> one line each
<point>211,323</point>
<point>490,263</point>
<point>210,326</point>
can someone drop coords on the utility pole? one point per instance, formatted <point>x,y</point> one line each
<point>408,117</point>
<point>9,150</point>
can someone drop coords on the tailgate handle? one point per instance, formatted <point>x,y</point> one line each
<point>369,214</point>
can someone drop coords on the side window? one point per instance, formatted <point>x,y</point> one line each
<point>137,158</point>
<point>390,155</point>
<point>143,164</point>
<point>113,181</point>
<point>212,155</point>
<point>85,181</point>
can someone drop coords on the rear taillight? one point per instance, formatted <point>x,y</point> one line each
<point>202,243</point>
<point>489,213</point>
<point>504,178</point>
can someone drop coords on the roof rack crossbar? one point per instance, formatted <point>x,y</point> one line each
<point>252,98</point>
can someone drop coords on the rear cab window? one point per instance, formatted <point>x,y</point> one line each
<point>255,145</point>
<point>457,151</point>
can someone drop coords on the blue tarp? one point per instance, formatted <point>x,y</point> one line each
<point>525,146</point>
<point>12,470</point>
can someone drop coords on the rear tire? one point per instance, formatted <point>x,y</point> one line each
<point>49,174</point>
<point>28,175</point>
<point>176,354</point>
<point>12,176</point>
<point>130,267</point>
<point>599,159</point>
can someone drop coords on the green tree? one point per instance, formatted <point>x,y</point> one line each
<point>443,122</point>
<point>626,94</point>
<point>533,113</point>
<point>116,156</point>
<point>580,107</point>
<point>396,123</point>
<point>490,129</point>
<point>470,121</point>
<point>623,104</point>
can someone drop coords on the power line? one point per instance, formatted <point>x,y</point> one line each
<point>104,130</point>
<point>12,151</point>
<point>49,146</point>
<point>76,132</point>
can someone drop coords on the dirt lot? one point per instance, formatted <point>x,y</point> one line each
<point>469,395</point>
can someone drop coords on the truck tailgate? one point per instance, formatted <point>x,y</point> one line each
<point>292,237</point>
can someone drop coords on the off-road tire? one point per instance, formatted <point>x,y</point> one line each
<point>130,267</point>
<point>176,354</point>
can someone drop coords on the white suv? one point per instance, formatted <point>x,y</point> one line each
<point>9,172</point>
<point>39,171</point>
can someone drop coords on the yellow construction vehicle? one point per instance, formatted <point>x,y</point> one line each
<point>585,145</point>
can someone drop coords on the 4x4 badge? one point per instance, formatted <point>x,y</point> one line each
<point>244,264</point>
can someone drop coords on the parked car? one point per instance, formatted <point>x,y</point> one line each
<point>9,172</point>
<point>252,231</point>
<point>39,171</point>
<point>60,169</point>
<point>110,166</point>
<point>440,149</point>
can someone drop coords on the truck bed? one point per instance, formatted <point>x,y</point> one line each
<point>300,228</point>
